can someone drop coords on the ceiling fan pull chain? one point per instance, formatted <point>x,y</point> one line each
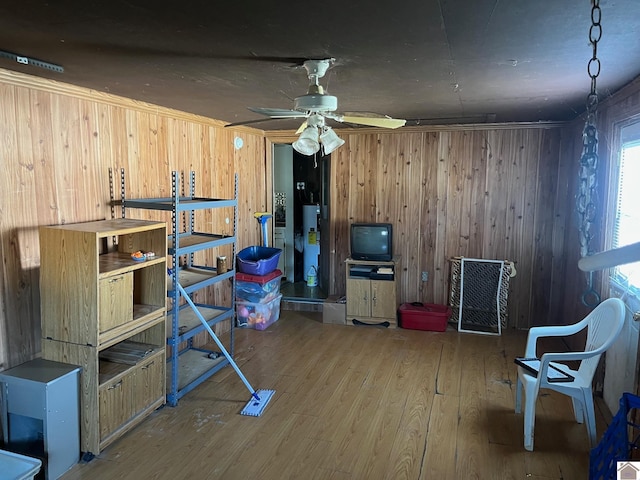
<point>587,195</point>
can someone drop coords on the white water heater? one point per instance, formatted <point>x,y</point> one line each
<point>311,237</point>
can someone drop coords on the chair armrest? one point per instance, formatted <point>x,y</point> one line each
<point>568,356</point>
<point>550,331</point>
<point>547,358</point>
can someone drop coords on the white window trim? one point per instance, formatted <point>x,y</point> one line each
<point>624,133</point>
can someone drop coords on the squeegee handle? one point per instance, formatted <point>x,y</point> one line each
<point>215,339</point>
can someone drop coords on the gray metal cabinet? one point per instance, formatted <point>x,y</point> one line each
<point>40,413</point>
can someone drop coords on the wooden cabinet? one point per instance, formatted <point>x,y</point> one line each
<point>127,395</point>
<point>116,301</point>
<point>371,291</point>
<point>97,302</point>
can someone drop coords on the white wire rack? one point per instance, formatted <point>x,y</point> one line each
<point>479,291</point>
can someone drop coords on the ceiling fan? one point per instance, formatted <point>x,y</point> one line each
<point>316,106</point>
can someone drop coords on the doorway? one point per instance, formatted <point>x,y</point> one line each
<point>301,226</point>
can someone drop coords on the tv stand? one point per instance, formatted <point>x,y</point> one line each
<point>371,291</point>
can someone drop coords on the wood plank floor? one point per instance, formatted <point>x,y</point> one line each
<point>355,403</point>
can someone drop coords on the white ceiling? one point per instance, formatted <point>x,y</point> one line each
<point>444,61</point>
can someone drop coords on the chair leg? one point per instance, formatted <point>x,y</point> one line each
<point>578,409</point>
<point>518,395</point>
<point>590,417</point>
<point>529,418</point>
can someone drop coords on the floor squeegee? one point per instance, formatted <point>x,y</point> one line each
<point>262,218</point>
<point>260,398</point>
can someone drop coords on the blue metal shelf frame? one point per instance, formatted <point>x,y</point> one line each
<point>202,241</point>
<point>202,284</point>
<point>184,204</point>
<point>182,208</point>
<point>226,313</point>
<point>219,365</point>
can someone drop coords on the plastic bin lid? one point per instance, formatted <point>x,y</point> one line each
<point>261,279</point>
<point>18,467</point>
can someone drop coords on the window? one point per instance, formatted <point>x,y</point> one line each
<point>627,219</point>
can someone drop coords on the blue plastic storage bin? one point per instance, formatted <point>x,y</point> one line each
<point>258,260</point>
<point>619,443</point>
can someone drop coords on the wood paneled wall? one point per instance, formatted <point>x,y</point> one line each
<point>57,144</point>
<point>495,192</point>
<point>482,192</point>
<point>613,112</point>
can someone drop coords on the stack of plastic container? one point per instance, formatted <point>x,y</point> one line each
<point>258,287</point>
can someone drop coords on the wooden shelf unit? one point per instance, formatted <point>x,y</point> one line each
<point>93,296</point>
<point>371,298</point>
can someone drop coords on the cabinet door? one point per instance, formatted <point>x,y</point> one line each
<point>116,301</point>
<point>149,383</point>
<point>115,404</point>
<point>358,298</point>
<point>383,298</point>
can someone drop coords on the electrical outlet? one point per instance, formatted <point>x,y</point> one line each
<point>425,276</point>
<point>300,185</point>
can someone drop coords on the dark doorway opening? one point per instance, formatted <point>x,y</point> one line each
<point>301,221</point>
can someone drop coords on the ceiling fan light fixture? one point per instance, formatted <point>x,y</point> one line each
<point>307,143</point>
<point>330,140</point>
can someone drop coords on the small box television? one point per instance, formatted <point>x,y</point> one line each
<point>372,241</point>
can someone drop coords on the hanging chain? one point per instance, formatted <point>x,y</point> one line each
<point>587,197</point>
<point>593,67</point>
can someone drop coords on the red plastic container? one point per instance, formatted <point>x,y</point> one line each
<point>261,279</point>
<point>424,316</point>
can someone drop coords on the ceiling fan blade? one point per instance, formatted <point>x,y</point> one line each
<point>272,113</point>
<point>249,122</point>
<point>129,48</point>
<point>382,122</point>
<point>301,128</point>
<point>278,112</point>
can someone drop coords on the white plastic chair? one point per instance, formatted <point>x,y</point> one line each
<point>603,326</point>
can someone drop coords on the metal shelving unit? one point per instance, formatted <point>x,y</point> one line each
<point>188,365</point>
